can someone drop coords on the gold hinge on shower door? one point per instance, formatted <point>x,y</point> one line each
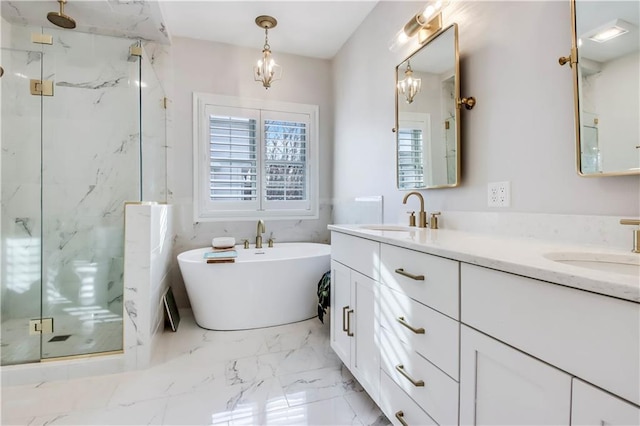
<point>41,326</point>
<point>135,51</point>
<point>41,87</point>
<point>41,38</point>
<point>165,102</point>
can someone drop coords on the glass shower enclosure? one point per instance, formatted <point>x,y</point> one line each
<point>71,158</point>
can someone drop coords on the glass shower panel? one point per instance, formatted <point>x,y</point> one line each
<point>154,133</point>
<point>91,166</point>
<point>20,231</point>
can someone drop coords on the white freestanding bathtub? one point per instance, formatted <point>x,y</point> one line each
<point>264,287</point>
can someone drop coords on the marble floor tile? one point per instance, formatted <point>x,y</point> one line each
<point>316,385</point>
<point>333,411</point>
<point>278,375</point>
<point>366,410</point>
<point>224,403</point>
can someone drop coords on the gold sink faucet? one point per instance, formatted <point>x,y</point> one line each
<point>260,230</point>
<point>636,233</point>
<point>422,218</point>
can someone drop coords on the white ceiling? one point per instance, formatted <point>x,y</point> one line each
<point>309,28</point>
<point>592,15</point>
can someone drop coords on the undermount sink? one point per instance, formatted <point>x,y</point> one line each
<point>395,228</point>
<point>628,264</point>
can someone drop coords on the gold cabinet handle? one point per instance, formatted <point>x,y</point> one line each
<point>400,417</point>
<point>404,322</point>
<point>407,274</point>
<point>344,321</point>
<point>416,383</point>
<point>349,312</point>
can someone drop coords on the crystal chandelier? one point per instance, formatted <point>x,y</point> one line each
<point>409,87</point>
<point>266,70</point>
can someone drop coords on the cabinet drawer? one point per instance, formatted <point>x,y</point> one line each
<point>438,343</point>
<point>394,402</point>
<point>592,406</point>
<point>438,287</point>
<point>438,395</point>
<point>591,336</point>
<point>357,253</point>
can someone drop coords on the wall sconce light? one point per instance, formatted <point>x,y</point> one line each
<point>409,86</point>
<point>266,70</point>
<point>424,23</point>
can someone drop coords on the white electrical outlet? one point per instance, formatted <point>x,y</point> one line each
<point>499,194</point>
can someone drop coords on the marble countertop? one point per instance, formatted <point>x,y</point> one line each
<point>519,256</point>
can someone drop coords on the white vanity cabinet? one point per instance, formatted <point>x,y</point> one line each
<point>419,332</point>
<point>536,337</point>
<point>593,406</point>
<point>354,321</point>
<point>461,343</point>
<point>501,385</point>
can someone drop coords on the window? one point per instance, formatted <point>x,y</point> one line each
<point>410,165</point>
<point>254,159</point>
<point>413,137</point>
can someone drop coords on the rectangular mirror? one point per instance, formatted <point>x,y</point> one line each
<point>606,45</point>
<point>427,122</point>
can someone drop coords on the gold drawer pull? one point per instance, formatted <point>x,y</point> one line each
<point>349,332</point>
<point>407,274</point>
<point>416,383</point>
<point>400,417</point>
<point>344,321</point>
<point>402,321</point>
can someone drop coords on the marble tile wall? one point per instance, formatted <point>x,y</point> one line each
<point>358,210</point>
<point>579,229</point>
<point>20,221</point>
<point>90,167</point>
<point>67,170</point>
<point>149,241</point>
<point>139,18</point>
<point>69,163</point>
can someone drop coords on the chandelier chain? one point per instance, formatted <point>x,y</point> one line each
<point>266,39</point>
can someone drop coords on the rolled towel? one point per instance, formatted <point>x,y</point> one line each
<point>223,242</point>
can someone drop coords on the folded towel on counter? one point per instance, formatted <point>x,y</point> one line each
<point>227,254</point>
<point>223,242</point>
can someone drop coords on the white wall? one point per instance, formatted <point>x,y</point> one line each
<point>521,129</point>
<point>200,66</point>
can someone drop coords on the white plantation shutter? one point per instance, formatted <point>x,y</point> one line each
<point>234,158</point>
<point>286,167</point>
<point>413,138</point>
<point>254,162</point>
<point>410,158</point>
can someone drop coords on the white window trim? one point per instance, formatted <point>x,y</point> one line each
<point>200,158</point>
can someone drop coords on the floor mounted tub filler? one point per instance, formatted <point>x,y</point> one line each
<point>262,288</point>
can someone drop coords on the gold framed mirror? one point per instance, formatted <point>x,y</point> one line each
<point>605,64</point>
<point>427,114</point>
